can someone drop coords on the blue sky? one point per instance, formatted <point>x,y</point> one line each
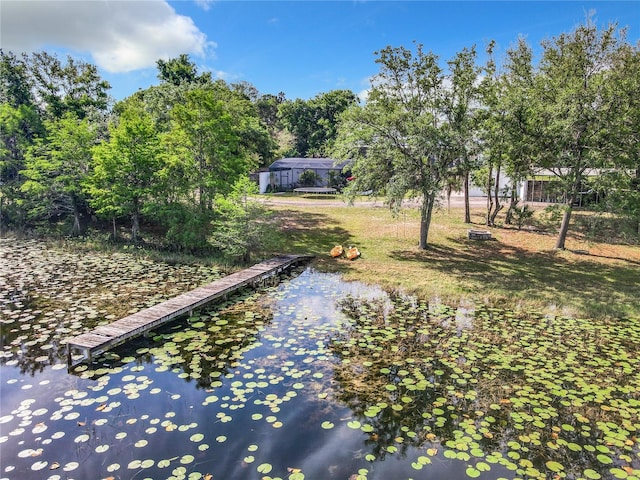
<point>301,48</point>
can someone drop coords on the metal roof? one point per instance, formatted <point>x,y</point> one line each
<point>307,164</point>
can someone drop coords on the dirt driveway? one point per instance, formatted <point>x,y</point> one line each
<point>331,201</point>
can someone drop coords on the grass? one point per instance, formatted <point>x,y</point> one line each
<point>596,277</point>
<point>517,269</point>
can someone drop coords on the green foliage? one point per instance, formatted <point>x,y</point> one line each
<point>18,127</point>
<point>15,84</point>
<point>73,86</point>
<point>308,178</point>
<point>522,215</point>
<point>460,105</point>
<point>314,123</point>
<point>186,228</point>
<point>180,70</point>
<point>575,103</point>
<point>126,167</point>
<point>336,180</point>
<point>240,226</point>
<point>621,196</point>
<point>401,144</point>
<point>552,215</point>
<point>56,166</point>
<point>202,130</point>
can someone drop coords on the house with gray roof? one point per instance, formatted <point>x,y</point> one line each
<point>284,174</point>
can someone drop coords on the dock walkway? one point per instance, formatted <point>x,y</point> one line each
<point>106,337</point>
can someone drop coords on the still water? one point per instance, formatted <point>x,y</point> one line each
<point>317,379</point>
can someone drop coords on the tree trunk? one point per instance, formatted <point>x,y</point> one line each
<point>135,227</point>
<point>467,210</point>
<point>135,222</point>
<point>564,226</point>
<point>489,198</point>
<point>425,218</point>
<point>75,230</point>
<point>496,197</point>
<point>512,205</point>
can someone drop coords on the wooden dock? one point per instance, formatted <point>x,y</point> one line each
<point>106,337</point>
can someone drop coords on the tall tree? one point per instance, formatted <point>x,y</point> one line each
<point>74,86</point>
<point>621,185</point>
<point>399,140</point>
<point>240,223</point>
<point>518,131</point>
<point>313,123</point>
<point>180,70</point>
<point>20,124</point>
<point>505,129</point>
<point>203,136</point>
<point>460,103</point>
<point>126,167</point>
<point>575,107</point>
<point>57,165</point>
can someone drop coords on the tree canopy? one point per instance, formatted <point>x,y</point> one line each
<point>172,153</point>
<point>399,139</point>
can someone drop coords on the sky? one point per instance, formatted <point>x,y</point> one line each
<point>301,48</point>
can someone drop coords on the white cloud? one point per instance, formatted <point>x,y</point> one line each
<point>121,36</point>
<point>204,4</point>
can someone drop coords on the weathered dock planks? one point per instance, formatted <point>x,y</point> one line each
<point>105,337</point>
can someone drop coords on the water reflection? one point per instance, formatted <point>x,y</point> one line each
<point>319,378</point>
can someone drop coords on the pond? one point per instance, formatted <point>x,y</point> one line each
<point>316,378</point>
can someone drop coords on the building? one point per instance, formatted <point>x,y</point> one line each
<point>284,174</point>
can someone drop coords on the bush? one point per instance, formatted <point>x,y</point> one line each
<point>187,228</point>
<point>522,215</point>
<point>308,178</point>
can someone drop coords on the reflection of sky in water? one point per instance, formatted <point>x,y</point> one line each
<point>50,417</point>
<point>69,407</point>
<point>318,293</point>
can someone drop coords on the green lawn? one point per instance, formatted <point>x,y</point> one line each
<point>516,269</point>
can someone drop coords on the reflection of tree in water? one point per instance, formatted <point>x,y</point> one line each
<point>518,390</point>
<point>27,337</point>
<point>208,343</point>
<point>48,294</point>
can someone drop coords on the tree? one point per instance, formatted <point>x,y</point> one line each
<point>575,108</point>
<point>460,102</point>
<point>505,131</point>
<point>20,124</point>
<point>126,167</point>
<point>517,131</point>
<point>15,83</point>
<point>240,224</point>
<point>203,136</point>
<point>57,165</point>
<point>621,185</point>
<point>74,86</point>
<point>398,139</point>
<point>267,106</point>
<point>180,70</point>
<point>313,123</point>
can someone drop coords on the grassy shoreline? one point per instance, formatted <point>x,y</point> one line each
<point>516,269</point>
